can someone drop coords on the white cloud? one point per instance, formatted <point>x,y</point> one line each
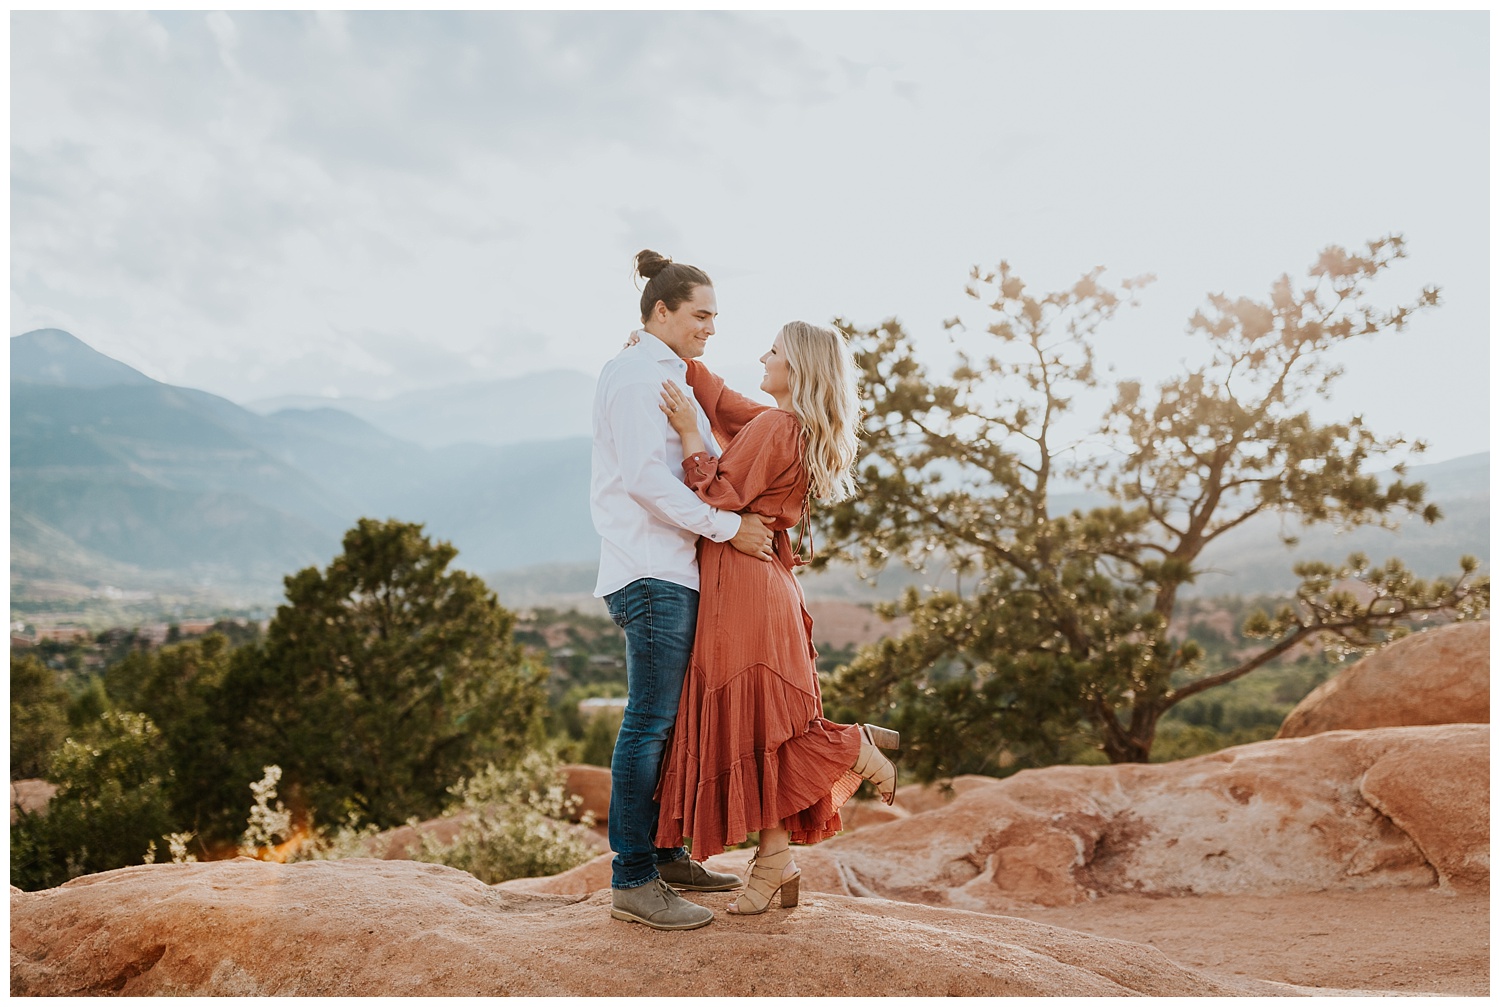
<point>262,203</point>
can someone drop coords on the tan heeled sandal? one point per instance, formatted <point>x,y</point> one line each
<point>874,766</point>
<point>767,878</point>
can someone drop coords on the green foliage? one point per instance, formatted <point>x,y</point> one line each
<point>86,707</point>
<point>598,748</point>
<point>38,716</point>
<point>112,804</point>
<point>181,688</point>
<point>1248,709</point>
<point>831,658</point>
<point>515,824</point>
<point>1176,740</point>
<point>580,737</point>
<point>591,653</point>
<point>384,678</point>
<point>1064,641</point>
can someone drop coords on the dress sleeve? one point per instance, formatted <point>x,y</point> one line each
<point>727,410</point>
<point>755,461</point>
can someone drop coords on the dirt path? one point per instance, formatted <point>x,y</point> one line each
<point>1399,939</point>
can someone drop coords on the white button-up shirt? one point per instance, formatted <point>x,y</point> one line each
<point>643,510</point>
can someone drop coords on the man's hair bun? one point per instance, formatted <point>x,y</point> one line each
<point>669,282</point>
<point>649,263</point>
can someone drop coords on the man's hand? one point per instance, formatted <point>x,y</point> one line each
<point>754,538</point>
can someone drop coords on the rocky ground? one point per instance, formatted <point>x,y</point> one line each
<point>1408,940</point>
<point>375,927</point>
<point>1339,861</point>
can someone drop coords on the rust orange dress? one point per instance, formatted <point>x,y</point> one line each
<point>751,749</point>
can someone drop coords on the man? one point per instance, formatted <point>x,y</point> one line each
<point>648,575</point>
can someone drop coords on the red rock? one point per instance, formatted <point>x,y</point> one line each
<point>862,814</point>
<point>585,879</point>
<point>395,928</point>
<point>592,784</point>
<point>915,798</point>
<point>29,797</point>
<point>1439,676</point>
<point>402,842</point>
<point>1439,795</point>
<point>1298,815</point>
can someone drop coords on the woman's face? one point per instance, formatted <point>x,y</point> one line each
<point>777,381</point>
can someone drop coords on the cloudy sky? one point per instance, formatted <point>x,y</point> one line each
<point>264,204</point>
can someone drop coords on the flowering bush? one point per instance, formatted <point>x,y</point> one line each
<point>515,824</point>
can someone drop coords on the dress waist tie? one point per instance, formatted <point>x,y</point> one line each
<point>781,544</point>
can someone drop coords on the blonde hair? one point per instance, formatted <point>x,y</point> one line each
<point>820,377</point>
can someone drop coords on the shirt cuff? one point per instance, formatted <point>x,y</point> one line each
<point>726,525</point>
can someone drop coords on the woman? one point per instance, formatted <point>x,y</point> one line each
<point>751,750</point>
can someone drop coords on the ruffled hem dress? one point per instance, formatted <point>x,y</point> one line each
<point>751,748</point>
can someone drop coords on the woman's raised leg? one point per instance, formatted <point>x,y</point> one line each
<point>872,764</point>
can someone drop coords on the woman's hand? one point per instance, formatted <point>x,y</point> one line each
<point>682,411</point>
<point>682,414</point>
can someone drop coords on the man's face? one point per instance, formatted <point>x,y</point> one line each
<point>687,329</point>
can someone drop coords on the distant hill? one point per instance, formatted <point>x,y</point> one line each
<point>114,476</point>
<point>55,357</point>
<point>549,405</point>
<point>119,472</point>
<point>1252,560</point>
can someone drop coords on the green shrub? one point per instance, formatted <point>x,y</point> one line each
<point>1176,740</point>
<point>516,824</point>
<point>111,808</point>
<point>598,746</point>
<point>38,716</point>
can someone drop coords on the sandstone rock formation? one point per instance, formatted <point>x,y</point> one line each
<point>585,879</point>
<point>403,841</point>
<point>371,927</point>
<point>591,783</point>
<point>1439,676</point>
<point>1340,810</point>
<point>29,797</point>
<point>862,814</point>
<point>915,798</point>
<point>1439,795</point>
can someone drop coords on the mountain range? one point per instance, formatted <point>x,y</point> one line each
<point>121,480</point>
<point>113,471</point>
<point>548,405</point>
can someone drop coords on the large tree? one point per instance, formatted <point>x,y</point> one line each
<point>111,807</point>
<point>384,679</point>
<point>1064,635</point>
<point>38,715</point>
<point>181,688</point>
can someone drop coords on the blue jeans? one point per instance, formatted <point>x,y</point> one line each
<point>659,619</point>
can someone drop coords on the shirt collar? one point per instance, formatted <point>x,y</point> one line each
<point>658,349</point>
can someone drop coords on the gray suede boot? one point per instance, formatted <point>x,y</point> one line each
<point>658,906</point>
<point>691,876</point>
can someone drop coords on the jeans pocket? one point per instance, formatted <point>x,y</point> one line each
<point>616,605</point>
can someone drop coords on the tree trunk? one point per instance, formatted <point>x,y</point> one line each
<point>1132,744</point>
